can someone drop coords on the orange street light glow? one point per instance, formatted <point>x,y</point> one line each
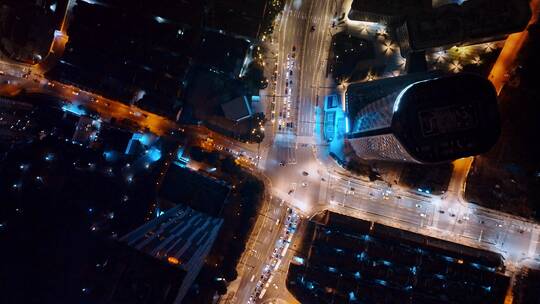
<point>508,55</point>
<point>173,260</point>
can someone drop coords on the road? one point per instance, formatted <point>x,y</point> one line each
<point>303,40</point>
<point>260,247</point>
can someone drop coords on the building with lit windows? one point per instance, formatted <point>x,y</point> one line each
<point>181,237</point>
<point>423,118</point>
<point>341,259</point>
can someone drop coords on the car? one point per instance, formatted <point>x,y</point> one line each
<point>304,184</point>
<point>75,92</point>
<point>282,164</point>
<point>2,73</point>
<point>290,73</point>
<point>294,48</point>
<point>290,192</point>
<point>304,173</point>
<point>312,28</point>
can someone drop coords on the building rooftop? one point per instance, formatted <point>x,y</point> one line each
<point>194,189</point>
<point>447,118</point>
<point>348,260</point>
<point>241,17</point>
<point>178,236</point>
<point>393,8</point>
<point>132,276</point>
<point>237,109</point>
<point>474,21</point>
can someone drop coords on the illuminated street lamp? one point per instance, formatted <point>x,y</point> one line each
<point>455,66</point>
<point>476,60</point>
<point>370,76</point>
<point>439,56</point>
<point>489,47</point>
<point>388,48</point>
<point>364,29</point>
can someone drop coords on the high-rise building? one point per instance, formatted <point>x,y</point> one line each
<point>423,118</point>
<point>181,237</point>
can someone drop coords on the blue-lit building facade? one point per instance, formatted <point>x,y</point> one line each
<point>423,119</point>
<point>181,237</point>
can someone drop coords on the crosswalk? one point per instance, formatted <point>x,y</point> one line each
<point>302,15</point>
<point>286,147</point>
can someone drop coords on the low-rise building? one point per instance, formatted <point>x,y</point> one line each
<point>474,21</point>
<point>347,260</point>
<point>237,109</point>
<point>386,11</point>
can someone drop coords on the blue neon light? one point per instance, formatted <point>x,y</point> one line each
<point>400,95</point>
<point>72,108</point>
<point>145,139</point>
<point>109,155</point>
<point>154,154</point>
